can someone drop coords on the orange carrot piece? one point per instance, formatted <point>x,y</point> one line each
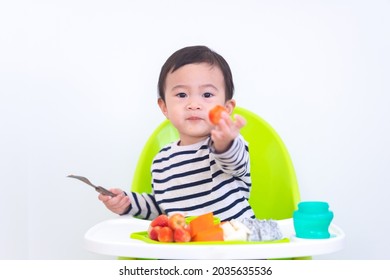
<point>201,223</point>
<point>214,233</point>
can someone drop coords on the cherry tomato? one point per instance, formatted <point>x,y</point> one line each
<point>215,114</point>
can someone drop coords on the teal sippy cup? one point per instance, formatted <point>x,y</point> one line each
<point>312,220</point>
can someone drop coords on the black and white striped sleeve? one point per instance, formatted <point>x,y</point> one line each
<point>143,205</point>
<point>235,161</point>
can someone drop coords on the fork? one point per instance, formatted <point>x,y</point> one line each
<point>97,188</point>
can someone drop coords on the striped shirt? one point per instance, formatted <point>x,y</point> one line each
<point>194,180</point>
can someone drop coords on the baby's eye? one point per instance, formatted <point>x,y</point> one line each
<point>181,95</point>
<point>208,94</point>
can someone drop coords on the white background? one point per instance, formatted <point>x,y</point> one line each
<point>78,95</point>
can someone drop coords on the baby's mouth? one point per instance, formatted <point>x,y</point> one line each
<point>194,118</point>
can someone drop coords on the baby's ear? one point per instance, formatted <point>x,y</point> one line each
<point>230,105</point>
<point>163,107</point>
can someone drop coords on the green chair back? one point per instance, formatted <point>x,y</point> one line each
<point>274,193</point>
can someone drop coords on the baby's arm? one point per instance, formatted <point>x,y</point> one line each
<point>226,131</point>
<point>118,204</point>
<point>235,160</point>
<point>144,205</point>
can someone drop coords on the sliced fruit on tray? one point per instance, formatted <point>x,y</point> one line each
<point>204,228</point>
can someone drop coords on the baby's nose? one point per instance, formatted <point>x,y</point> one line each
<point>193,105</point>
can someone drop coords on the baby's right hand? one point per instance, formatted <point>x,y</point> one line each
<point>118,204</point>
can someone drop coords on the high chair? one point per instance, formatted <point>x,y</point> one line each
<point>274,195</point>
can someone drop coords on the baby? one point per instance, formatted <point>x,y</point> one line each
<point>207,168</point>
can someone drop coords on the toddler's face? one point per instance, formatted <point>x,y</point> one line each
<point>190,92</point>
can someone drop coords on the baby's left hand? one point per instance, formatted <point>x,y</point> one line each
<point>226,131</point>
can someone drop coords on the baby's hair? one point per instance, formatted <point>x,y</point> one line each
<point>194,55</point>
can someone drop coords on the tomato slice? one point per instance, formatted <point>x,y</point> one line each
<point>215,114</point>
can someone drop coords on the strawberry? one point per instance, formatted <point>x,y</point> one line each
<point>165,234</point>
<point>161,221</point>
<point>153,232</point>
<point>182,234</point>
